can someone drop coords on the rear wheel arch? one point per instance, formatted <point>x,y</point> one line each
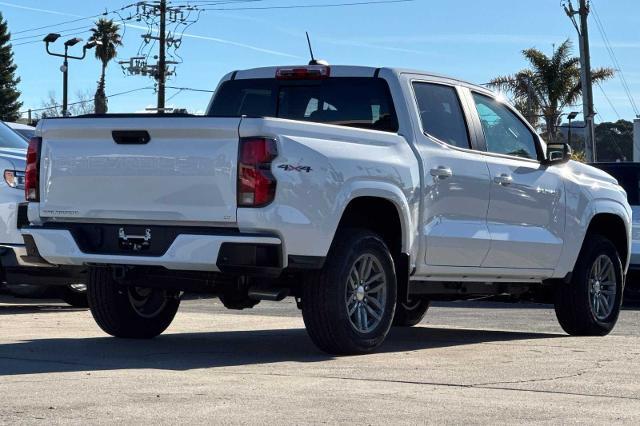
<point>385,218</point>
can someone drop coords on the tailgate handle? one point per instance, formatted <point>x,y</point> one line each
<point>131,137</point>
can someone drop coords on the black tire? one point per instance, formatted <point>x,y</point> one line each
<point>73,296</point>
<point>324,295</point>
<point>112,307</point>
<point>410,314</point>
<point>573,300</point>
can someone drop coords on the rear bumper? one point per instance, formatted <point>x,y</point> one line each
<point>15,256</point>
<point>238,253</point>
<point>21,268</point>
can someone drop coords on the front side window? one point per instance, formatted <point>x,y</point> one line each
<point>504,133</point>
<point>441,113</point>
<point>345,101</point>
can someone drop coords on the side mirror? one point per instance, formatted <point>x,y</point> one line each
<point>558,153</point>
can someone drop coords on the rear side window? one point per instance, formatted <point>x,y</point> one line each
<point>344,101</point>
<point>441,113</point>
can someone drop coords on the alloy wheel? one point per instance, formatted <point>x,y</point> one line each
<point>602,287</point>
<point>366,293</point>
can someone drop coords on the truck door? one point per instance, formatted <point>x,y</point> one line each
<point>456,181</point>
<point>526,214</point>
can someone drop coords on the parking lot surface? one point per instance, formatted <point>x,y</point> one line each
<point>467,362</point>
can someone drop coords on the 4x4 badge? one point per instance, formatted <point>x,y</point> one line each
<point>290,168</point>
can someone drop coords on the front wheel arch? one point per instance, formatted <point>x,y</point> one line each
<point>612,227</point>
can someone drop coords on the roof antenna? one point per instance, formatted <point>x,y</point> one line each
<point>313,60</point>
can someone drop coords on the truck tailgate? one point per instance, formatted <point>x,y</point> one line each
<point>186,172</point>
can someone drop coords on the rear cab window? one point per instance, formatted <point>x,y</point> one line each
<point>441,113</point>
<point>361,102</point>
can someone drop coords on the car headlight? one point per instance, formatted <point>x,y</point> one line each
<point>14,178</point>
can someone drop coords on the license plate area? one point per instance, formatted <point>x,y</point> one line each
<point>134,242</point>
<point>130,240</point>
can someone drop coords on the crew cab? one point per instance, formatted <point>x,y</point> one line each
<point>364,193</point>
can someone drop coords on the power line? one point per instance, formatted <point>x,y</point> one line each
<point>608,100</point>
<point>88,100</point>
<point>71,32</point>
<point>189,89</point>
<point>614,59</point>
<point>44,34</point>
<point>105,13</point>
<point>310,6</point>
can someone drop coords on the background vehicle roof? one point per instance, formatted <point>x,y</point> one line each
<point>19,126</point>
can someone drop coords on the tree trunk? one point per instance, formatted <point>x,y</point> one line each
<point>100,99</point>
<point>550,121</point>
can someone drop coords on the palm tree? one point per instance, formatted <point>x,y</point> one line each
<point>548,86</point>
<point>106,33</point>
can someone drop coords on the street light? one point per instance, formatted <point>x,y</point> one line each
<point>72,41</point>
<point>52,38</point>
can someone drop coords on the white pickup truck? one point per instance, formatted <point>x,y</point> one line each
<point>364,193</point>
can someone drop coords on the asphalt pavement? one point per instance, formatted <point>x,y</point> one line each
<point>472,363</point>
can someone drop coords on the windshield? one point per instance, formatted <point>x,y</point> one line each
<point>10,139</point>
<point>344,101</point>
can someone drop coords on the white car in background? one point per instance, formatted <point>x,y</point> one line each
<point>23,276</point>
<point>23,130</point>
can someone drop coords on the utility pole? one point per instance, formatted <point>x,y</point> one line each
<point>162,60</point>
<point>165,22</point>
<point>585,76</point>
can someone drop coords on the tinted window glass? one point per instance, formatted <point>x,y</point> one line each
<point>441,113</point>
<point>354,102</point>
<point>10,139</point>
<point>504,133</point>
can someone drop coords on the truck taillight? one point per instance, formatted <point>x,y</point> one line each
<point>256,184</point>
<point>31,178</point>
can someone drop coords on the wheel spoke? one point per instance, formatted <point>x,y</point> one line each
<point>605,304</point>
<point>358,317</point>
<point>352,282</point>
<point>361,267</point>
<point>368,269</point>
<point>353,308</point>
<point>365,319</point>
<point>376,315</point>
<point>375,303</point>
<point>375,278</point>
<point>606,270</point>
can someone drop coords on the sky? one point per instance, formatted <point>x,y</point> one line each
<point>468,39</point>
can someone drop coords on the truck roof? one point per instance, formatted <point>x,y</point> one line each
<point>347,71</point>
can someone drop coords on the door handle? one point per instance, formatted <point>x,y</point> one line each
<point>504,179</point>
<point>441,172</point>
